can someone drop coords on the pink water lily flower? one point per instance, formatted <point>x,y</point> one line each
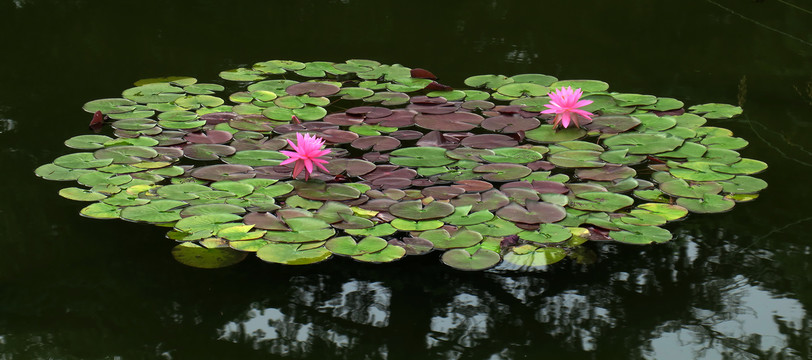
<point>565,104</point>
<point>307,150</point>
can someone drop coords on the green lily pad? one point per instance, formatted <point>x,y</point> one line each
<point>664,104</point>
<point>388,254</point>
<point>577,159</point>
<point>157,211</point>
<point>126,154</point>
<point>384,229</point>
<point>87,142</point>
<point>724,142</point>
<point>743,167</point>
<point>101,211</point>
<point>716,111</point>
<point>585,85</point>
<point>697,190</point>
<point>415,210</point>
<point>81,160</point>
<point>153,93</point>
<point>110,106</point>
<point>256,158</point>
<point>303,229</point>
<point>443,240</point>
<point>600,201</point>
<point>181,191</point>
<point>240,233</point>
<point>534,212</point>
<point>546,234</point>
<point>495,227</point>
<point>292,254</point>
<point>743,185</point>
<point>669,212</point>
<point>647,143</point>
<point>536,258</point>
<point>642,218</point>
<point>709,203</point>
<point>517,89</point>
<point>699,171</point>
<point>489,81</point>
<point>78,194</point>
<point>634,99</point>
<point>463,260</point>
<point>462,216</point>
<point>642,235</point>
<point>207,209</point>
<point>512,155</point>
<point>546,134</point>
<point>621,157</point>
<point>420,156</point>
<point>194,255</point>
<point>541,79</point>
<point>409,225</point>
<point>346,245</point>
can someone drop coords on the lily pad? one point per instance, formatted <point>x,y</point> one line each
<point>194,255</point>
<point>716,111</point>
<point>443,240</point>
<point>388,254</point>
<point>292,254</point>
<point>538,257</point>
<point>546,234</point>
<point>420,156</point>
<point>157,211</point>
<point>546,134</point>
<point>347,246</point>
<point>709,203</point>
<point>642,235</point>
<point>600,201</point>
<point>463,260</point>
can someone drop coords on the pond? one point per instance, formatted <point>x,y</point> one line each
<point>728,285</point>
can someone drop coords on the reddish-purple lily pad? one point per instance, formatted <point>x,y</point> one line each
<point>377,143</point>
<point>510,124</point>
<point>208,137</point>
<point>489,141</point>
<point>203,152</point>
<point>223,172</point>
<point>314,89</point>
<point>457,121</point>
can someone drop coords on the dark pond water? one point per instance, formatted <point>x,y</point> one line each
<point>736,285</point>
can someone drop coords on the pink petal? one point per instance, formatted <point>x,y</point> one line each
<point>565,119</point>
<point>308,166</point>
<point>297,169</point>
<point>288,161</point>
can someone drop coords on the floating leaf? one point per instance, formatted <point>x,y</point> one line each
<point>347,246</point>
<point>463,260</point>
<point>157,211</point>
<point>539,257</point>
<point>291,254</point>
<point>200,257</point>
<point>716,111</point>
<point>388,254</point>
<point>634,234</point>
<point>546,233</point>
<point>709,203</point>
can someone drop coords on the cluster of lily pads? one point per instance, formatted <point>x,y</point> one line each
<point>415,166</point>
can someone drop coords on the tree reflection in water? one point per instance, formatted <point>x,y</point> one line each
<point>683,300</point>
